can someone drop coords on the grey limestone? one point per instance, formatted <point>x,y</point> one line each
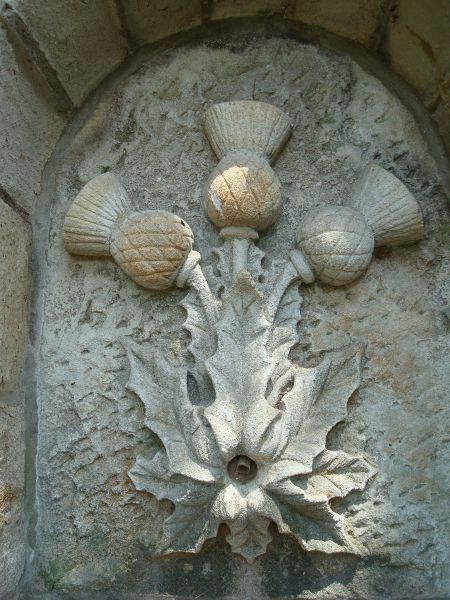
<point>29,128</point>
<point>82,41</point>
<point>95,531</point>
<point>14,295</point>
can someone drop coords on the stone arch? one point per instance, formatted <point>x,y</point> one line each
<point>54,56</point>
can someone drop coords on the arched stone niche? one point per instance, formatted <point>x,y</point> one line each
<point>94,532</point>
<point>90,532</point>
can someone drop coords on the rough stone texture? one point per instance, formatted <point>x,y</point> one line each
<point>152,20</point>
<point>15,242</point>
<point>83,41</point>
<point>442,117</point>
<point>95,531</point>
<point>225,9</point>
<point>417,46</point>
<point>29,129</point>
<point>12,547</point>
<point>14,291</point>
<point>358,20</point>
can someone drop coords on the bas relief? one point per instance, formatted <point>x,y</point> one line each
<point>253,451</point>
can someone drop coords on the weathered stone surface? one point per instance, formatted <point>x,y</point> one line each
<point>417,45</point>
<point>225,9</point>
<point>154,20</point>
<point>441,116</point>
<point>251,458</point>
<point>95,531</point>
<point>12,542</point>
<point>29,129</point>
<point>15,240</point>
<point>86,41</point>
<point>83,41</point>
<point>358,20</point>
<point>14,293</point>
<point>247,460</point>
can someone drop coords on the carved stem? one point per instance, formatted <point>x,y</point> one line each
<point>196,280</point>
<point>191,274</point>
<point>241,238</point>
<point>295,268</point>
<point>240,255</point>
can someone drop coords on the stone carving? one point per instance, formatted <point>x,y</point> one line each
<point>243,190</point>
<point>149,246</point>
<point>244,429</point>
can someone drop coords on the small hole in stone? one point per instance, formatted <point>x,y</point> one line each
<point>242,469</point>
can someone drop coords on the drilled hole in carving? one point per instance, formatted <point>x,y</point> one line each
<point>192,388</point>
<point>242,469</point>
<point>287,387</point>
<point>200,395</point>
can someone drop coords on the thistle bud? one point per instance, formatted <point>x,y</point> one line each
<point>149,246</point>
<point>337,242</point>
<point>243,190</point>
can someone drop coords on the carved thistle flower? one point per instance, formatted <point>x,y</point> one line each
<point>257,453</point>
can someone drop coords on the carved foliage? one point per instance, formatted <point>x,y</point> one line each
<point>251,449</point>
<point>276,416</point>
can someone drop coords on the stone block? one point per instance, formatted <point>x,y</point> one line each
<point>442,117</point>
<point>357,20</point>
<point>14,292</point>
<point>156,19</point>
<point>225,9</point>
<point>29,128</point>
<point>82,41</point>
<point>15,238</point>
<point>417,44</point>
<point>12,550</point>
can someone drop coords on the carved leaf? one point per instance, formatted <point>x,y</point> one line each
<point>249,537</point>
<point>310,519</point>
<point>254,262</point>
<point>224,265</point>
<point>336,474</point>
<point>248,518</point>
<point>189,525</point>
<point>203,340</point>
<point>240,370</point>
<point>187,437</point>
<point>288,315</point>
<point>316,402</point>
<point>340,376</point>
<point>284,332</point>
